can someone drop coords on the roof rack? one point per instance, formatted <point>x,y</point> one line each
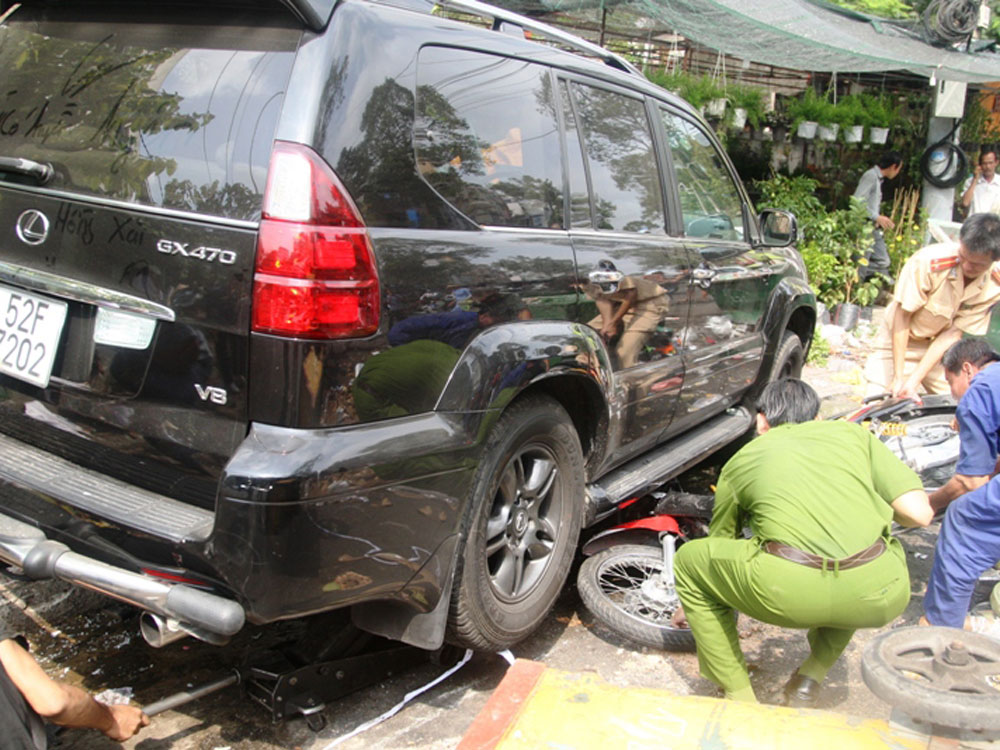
<point>501,16</point>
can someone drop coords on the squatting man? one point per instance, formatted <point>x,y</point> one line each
<point>820,498</point>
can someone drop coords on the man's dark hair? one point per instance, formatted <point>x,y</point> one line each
<point>980,235</point>
<point>788,400</point>
<point>890,159</point>
<point>991,149</point>
<point>976,352</point>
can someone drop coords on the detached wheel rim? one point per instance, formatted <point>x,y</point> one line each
<point>521,528</point>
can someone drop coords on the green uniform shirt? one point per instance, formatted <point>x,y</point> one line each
<point>822,487</point>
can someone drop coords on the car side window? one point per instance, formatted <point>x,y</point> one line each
<point>487,138</point>
<point>618,143</point>
<point>579,193</point>
<point>710,202</point>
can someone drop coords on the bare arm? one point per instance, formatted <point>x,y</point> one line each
<point>931,357</point>
<point>912,509</point>
<point>967,195</point>
<point>899,328</point>
<point>66,705</point>
<point>954,488</point>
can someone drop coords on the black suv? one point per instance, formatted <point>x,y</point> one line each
<point>341,303</point>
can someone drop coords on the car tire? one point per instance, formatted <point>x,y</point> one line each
<point>918,670</point>
<point>522,528</point>
<point>789,359</point>
<point>614,584</point>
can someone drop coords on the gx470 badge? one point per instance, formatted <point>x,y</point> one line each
<point>208,254</point>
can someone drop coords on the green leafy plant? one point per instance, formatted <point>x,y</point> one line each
<point>880,110</point>
<point>796,194</point>
<point>748,98</point>
<point>810,107</point>
<point>834,252</point>
<point>850,110</point>
<point>696,90</point>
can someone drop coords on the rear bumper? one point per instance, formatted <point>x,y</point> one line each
<point>305,521</point>
<point>27,547</point>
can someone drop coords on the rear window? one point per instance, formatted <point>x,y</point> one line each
<point>146,109</point>
<point>487,138</point>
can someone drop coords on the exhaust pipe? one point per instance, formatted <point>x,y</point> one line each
<point>199,613</point>
<point>159,631</point>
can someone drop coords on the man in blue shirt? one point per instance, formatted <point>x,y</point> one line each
<point>969,542</point>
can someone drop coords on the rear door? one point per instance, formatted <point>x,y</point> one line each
<point>622,247</point>
<point>134,143</point>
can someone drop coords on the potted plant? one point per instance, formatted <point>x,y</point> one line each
<point>834,253</point>
<point>881,113</point>
<point>852,117</point>
<point>807,112</point>
<point>748,106</point>
<point>698,91</point>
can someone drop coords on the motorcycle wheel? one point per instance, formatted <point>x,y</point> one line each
<point>622,587</point>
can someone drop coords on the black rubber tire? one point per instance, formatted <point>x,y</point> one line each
<point>788,359</point>
<point>629,614</point>
<point>534,438</point>
<point>906,668</point>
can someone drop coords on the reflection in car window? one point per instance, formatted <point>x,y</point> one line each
<point>487,139</point>
<point>623,173</point>
<point>150,113</point>
<point>579,194</point>
<point>710,203</point>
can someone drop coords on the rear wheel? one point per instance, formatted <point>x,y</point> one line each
<point>625,588</point>
<point>523,526</point>
<point>789,358</point>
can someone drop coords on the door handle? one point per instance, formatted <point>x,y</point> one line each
<point>703,276</point>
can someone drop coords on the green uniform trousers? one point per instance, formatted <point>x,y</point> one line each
<point>715,576</point>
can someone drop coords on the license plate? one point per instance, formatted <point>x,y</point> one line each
<point>30,327</point>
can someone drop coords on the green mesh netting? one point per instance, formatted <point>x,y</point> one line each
<point>795,34</point>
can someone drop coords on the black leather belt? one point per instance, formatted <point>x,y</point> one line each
<point>825,563</point>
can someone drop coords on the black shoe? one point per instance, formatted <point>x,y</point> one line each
<point>801,692</point>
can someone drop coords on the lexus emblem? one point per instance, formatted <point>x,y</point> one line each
<point>32,227</point>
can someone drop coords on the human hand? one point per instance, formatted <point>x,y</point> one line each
<point>608,330</point>
<point>885,222</point>
<point>908,389</point>
<point>126,722</point>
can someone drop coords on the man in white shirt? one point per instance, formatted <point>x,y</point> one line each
<point>982,191</point>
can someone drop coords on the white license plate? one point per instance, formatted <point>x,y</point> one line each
<point>30,327</point>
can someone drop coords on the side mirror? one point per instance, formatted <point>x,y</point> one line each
<point>779,228</point>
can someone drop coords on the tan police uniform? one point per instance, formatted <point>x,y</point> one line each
<point>932,287</point>
<point>642,318</point>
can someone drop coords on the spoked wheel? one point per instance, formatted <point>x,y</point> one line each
<point>628,588</point>
<point>937,675</point>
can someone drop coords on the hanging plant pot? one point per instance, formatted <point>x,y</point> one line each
<point>854,133</point>
<point>828,132</point>
<point>739,118</point>
<point>846,315</point>
<point>807,130</point>
<point>716,108</point>
<point>878,135</point>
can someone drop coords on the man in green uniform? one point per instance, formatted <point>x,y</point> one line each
<point>819,498</point>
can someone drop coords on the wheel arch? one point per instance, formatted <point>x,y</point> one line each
<point>566,362</point>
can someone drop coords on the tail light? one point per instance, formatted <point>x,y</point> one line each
<point>315,273</point>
